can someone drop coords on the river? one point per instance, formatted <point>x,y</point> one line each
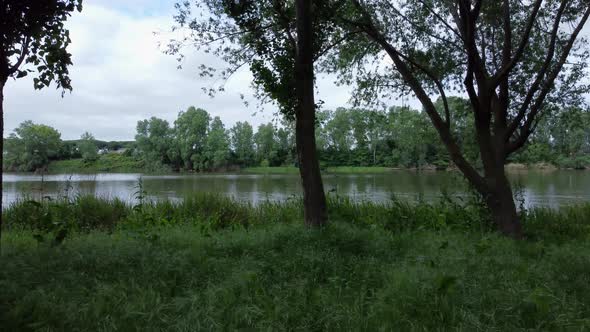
<point>551,189</point>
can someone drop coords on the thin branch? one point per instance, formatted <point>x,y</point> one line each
<point>508,64</point>
<point>526,129</point>
<point>21,58</point>
<point>336,43</point>
<point>432,35</point>
<point>442,20</point>
<point>285,23</point>
<point>416,86</point>
<point>540,75</point>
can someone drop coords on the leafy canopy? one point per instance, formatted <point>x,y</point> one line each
<point>258,34</point>
<point>34,38</point>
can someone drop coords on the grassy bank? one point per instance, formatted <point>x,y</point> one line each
<point>119,163</point>
<point>209,263</point>
<point>271,170</point>
<point>339,169</point>
<point>111,162</point>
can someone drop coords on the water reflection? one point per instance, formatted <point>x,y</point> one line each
<point>537,188</point>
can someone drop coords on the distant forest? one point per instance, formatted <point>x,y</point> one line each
<point>398,137</point>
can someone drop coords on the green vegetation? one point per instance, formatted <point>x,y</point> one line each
<point>88,148</point>
<point>272,170</point>
<point>110,162</point>
<point>295,170</point>
<point>397,138</point>
<point>211,263</point>
<point>356,169</point>
<point>31,146</point>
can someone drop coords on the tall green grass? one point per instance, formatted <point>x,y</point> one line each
<point>282,276</point>
<point>214,212</point>
<point>211,263</point>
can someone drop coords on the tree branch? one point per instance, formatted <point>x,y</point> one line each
<point>21,58</point>
<point>527,128</point>
<point>540,75</point>
<point>509,63</point>
<point>410,79</point>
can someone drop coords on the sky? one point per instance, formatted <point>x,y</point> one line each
<point>121,76</point>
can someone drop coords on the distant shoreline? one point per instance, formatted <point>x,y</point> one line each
<point>121,164</point>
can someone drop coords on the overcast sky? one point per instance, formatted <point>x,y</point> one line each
<point>120,76</point>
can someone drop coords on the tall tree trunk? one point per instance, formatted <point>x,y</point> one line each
<point>314,199</point>
<point>2,84</point>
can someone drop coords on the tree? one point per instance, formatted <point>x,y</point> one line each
<point>376,131</point>
<point>338,129</point>
<point>154,140</point>
<point>33,33</point>
<point>285,145</point>
<point>242,141</point>
<point>280,41</point>
<point>191,134</point>
<point>516,60</point>
<point>266,145</point>
<point>570,131</point>
<point>412,135</point>
<point>88,148</point>
<point>305,122</point>
<point>217,146</point>
<point>31,146</point>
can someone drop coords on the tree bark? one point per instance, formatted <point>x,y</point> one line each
<point>500,202</point>
<point>2,84</point>
<point>314,199</point>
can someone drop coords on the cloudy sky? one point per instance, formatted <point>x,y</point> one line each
<point>120,76</point>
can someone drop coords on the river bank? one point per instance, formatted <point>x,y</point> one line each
<point>213,264</point>
<point>117,163</point>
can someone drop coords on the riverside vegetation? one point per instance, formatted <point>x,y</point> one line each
<point>357,140</point>
<point>212,263</point>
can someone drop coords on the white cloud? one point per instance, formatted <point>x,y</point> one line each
<point>119,77</point>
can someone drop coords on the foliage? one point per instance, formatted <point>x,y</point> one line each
<point>31,147</point>
<point>266,144</point>
<point>33,33</point>
<point>191,136</point>
<point>87,147</point>
<point>109,162</point>
<point>217,146</point>
<point>242,142</point>
<point>517,61</point>
<point>424,270</point>
<point>211,211</point>
<point>398,137</point>
<point>155,141</point>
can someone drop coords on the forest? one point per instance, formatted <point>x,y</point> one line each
<point>399,137</point>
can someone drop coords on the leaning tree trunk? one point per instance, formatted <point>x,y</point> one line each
<point>314,199</point>
<point>500,201</point>
<point>2,83</point>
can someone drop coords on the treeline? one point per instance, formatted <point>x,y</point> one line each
<point>198,142</point>
<point>32,147</point>
<point>397,137</point>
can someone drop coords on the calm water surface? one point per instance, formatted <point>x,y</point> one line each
<point>538,188</point>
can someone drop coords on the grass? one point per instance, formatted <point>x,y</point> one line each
<point>110,162</point>
<point>339,169</point>
<point>210,263</point>
<point>271,170</point>
<point>359,169</point>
